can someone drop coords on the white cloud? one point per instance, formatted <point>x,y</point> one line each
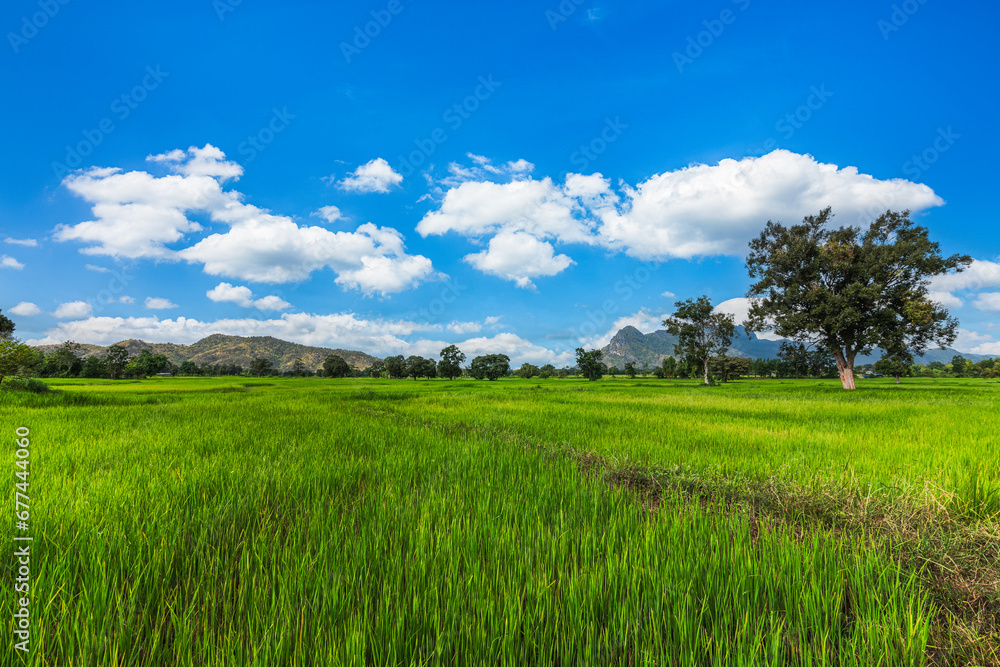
<point>26,309</point>
<point>519,256</point>
<point>242,296</point>
<point>989,301</point>
<point>10,263</point>
<point>329,213</point>
<point>668,295</point>
<point>946,299</point>
<point>464,327</point>
<point>697,210</point>
<point>73,309</point>
<point>97,269</point>
<point>125,299</point>
<point>739,308</point>
<point>138,215</point>
<point>972,342</point>
<point>158,303</point>
<point>29,243</point>
<point>376,176</point>
<point>717,209</point>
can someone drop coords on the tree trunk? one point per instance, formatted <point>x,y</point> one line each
<point>897,379</point>
<point>845,368</point>
<point>706,370</point>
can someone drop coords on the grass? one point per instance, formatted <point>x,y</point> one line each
<point>355,522</point>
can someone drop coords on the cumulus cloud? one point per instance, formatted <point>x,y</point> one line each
<point>25,309</point>
<point>28,243</point>
<point>375,176</point>
<point>668,295</point>
<point>329,213</point>
<point>10,263</point>
<point>980,274</point>
<point>243,296</point>
<point>465,327</point>
<point>695,211</point>
<point>989,301</point>
<point>519,256</point>
<point>158,303</point>
<point>73,309</point>
<point>972,342</point>
<point>137,215</point>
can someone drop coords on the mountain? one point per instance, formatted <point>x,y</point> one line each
<point>630,344</point>
<point>240,350</point>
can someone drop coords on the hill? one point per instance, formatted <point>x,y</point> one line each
<point>630,344</point>
<point>240,350</point>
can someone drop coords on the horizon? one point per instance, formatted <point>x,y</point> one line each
<point>522,180</point>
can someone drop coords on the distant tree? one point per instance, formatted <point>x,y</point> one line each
<point>729,368</point>
<point>451,362</point>
<point>147,363</point>
<point>376,369</point>
<point>395,367</point>
<point>14,356</point>
<point>261,366</point>
<point>959,365</point>
<point>590,363</point>
<point>850,290</point>
<point>299,367</point>
<point>334,366</point>
<point>795,355</point>
<point>897,363</point>
<point>669,367</point>
<point>94,367</point>
<point>417,366</point>
<point>67,359</point>
<point>188,368</point>
<point>701,333</point>
<point>527,371</point>
<point>546,371</point>
<point>490,366</point>
<point>630,370</point>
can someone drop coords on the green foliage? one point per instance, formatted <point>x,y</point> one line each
<point>850,290</point>
<point>701,332</point>
<point>490,367</point>
<point>7,326</point>
<point>395,367</point>
<point>261,366</point>
<point>527,371</point>
<point>451,362</point>
<point>334,366</point>
<point>590,364</point>
<point>728,368</point>
<point>630,370</point>
<point>546,371</point>
<point>417,366</point>
<point>15,357</point>
<point>31,385</point>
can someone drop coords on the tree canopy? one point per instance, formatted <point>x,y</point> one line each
<point>701,332</point>
<point>334,366</point>
<point>490,366</point>
<point>590,363</point>
<point>451,362</point>
<point>849,290</point>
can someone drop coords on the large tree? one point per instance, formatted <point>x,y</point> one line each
<point>849,290</point>
<point>395,367</point>
<point>590,363</point>
<point>334,366</point>
<point>6,327</point>
<point>702,333</point>
<point>451,362</point>
<point>490,366</point>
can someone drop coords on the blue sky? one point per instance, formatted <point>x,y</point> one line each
<point>522,178</point>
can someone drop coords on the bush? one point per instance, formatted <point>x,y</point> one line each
<point>24,384</point>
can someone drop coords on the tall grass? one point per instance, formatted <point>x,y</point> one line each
<point>204,522</point>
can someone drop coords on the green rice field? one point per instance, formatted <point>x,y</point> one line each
<point>235,521</point>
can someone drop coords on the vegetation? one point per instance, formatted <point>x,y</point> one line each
<point>364,522</point>
<point>490,367</point>
<point>701,332</point>
<point>850,290</point>
<point>589,362</point>
<point>451,362</point>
